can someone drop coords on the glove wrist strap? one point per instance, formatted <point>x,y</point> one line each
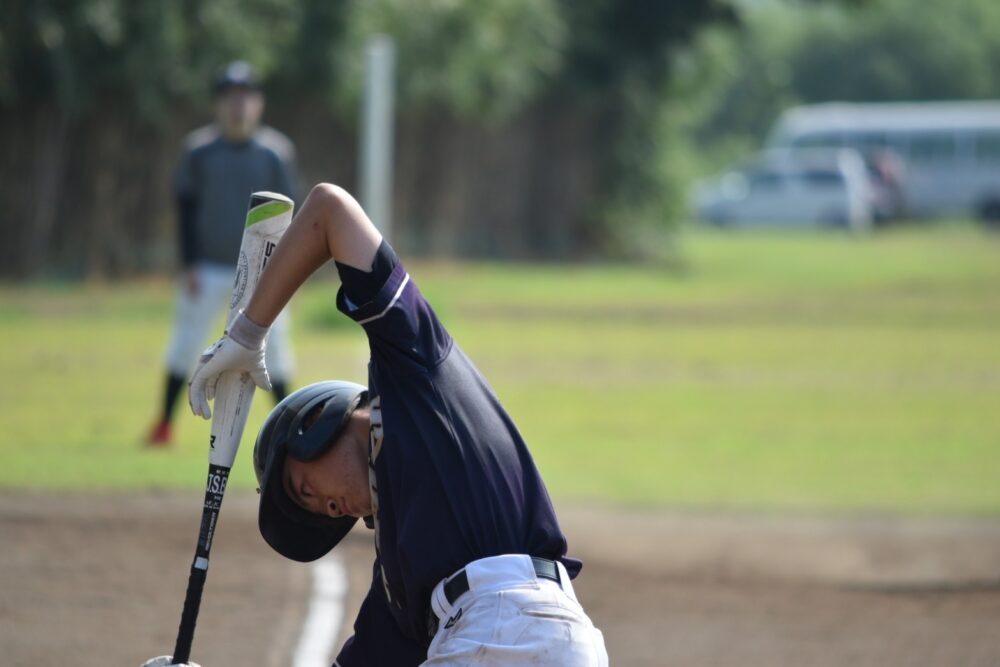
<point>246,332</point>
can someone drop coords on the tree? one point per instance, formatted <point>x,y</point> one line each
<point>732,85</point>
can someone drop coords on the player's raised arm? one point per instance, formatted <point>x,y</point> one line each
<point>329,224</point>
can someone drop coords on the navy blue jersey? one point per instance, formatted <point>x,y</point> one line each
<point>452,479</point>
<point>218,176</point>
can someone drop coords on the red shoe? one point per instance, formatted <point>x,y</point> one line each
<point>160,436</point>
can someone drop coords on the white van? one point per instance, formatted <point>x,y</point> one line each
<point>790,188</point>
<point>950,150</point>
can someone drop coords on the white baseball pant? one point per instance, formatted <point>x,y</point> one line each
<point>511,617</point>
<point>196,315</point>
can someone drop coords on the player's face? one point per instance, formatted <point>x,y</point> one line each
<point>336,484</point>
<point>239,110</point>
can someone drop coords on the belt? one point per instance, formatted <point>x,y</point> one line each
<point>455,587</point>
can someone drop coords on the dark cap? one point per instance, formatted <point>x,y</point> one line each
<point>237,74</point>
<point>304,425</point>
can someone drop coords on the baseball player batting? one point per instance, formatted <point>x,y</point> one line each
<point>268,216</point>
<point>470,562</point>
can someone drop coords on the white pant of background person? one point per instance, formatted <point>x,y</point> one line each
<point>196,315</point>
<point>509,616</point>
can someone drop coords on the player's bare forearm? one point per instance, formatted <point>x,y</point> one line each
<point>329,224</point>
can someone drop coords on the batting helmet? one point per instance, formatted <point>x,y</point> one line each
<point>304,426</point>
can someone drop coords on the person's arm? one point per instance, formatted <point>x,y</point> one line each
<point>187,210</point>
<point>330,224</point>
<point>185,193</point>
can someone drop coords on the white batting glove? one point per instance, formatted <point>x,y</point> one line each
<point>166,661</point>
<point>240,350</point>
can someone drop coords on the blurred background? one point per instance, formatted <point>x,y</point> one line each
<point>725,262</point>
<point>525,128</point>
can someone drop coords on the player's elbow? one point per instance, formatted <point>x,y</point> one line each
<point>330,201</point>
<point>337,204</point>
<point>333,199</point>
<point>349,232</point>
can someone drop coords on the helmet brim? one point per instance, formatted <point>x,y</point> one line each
<point>289,529</point>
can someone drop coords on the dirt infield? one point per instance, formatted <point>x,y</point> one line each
<point>99,580</point>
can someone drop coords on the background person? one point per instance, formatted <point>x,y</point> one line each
<point>219,167</point>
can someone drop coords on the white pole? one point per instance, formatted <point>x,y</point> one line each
<point>375,168</point>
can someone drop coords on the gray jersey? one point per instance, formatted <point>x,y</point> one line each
<point>219,177</point>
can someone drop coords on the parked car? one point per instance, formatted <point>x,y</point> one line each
<point>949,152</point>
<point>791,188</point>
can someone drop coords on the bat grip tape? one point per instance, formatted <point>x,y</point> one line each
<point>217,478</point>
<point>189,617</point>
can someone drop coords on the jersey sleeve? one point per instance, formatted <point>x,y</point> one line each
<point>185,180</point>
<point>186,197</point>
<point>377,639</point>
<point>403,330</point>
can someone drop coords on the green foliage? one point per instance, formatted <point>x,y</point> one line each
<point>148,56</point>
<point>478,59</point>
<point>670,91</point>
<point>602,64</point>
<point>896,53</point>
<point>618,60</point>
<point>729,88</point>
<point>313,61</point>
<point>790,372</point>
<point>613,41</point>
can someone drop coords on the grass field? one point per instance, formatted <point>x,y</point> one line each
<point>777,372</point>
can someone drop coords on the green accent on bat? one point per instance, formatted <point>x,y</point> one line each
<point>267,211</point>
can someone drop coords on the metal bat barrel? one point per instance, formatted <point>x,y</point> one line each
<point>268,216</point>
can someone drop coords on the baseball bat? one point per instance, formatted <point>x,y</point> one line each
<point>268,216</point>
